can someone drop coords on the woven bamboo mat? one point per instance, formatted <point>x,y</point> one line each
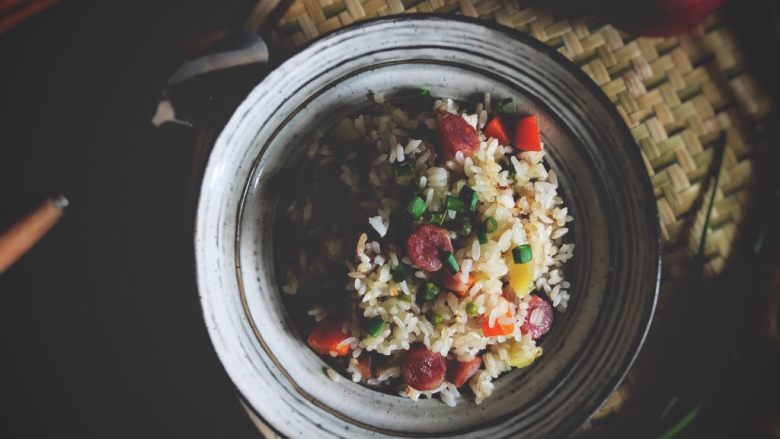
<point>679,96</point>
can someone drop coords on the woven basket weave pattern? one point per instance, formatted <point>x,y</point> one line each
<point>678,96</point>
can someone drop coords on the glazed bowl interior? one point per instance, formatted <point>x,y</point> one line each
<point>614,272</point>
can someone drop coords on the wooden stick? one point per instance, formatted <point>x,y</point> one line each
<point>17,240</point>
<point>7,5</point>
<point>19,15</point>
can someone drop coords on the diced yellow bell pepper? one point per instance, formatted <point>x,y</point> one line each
<point>521,276</point>
<point>520,358</point>
<point>479,276</point>
<point>344,131</point>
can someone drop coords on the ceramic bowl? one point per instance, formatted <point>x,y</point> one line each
<point>614,272</point>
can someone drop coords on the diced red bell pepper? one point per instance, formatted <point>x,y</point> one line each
<point>527,137</point>
<point>497,329</point>
<point>327,338</point>
<point>495,129</point>
<point>456,284</point>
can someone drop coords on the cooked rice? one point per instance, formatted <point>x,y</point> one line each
<point>527,209</point>
<point>332,374</point>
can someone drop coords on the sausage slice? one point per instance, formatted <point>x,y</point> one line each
<point>422,369</point>
<point>460,372</point>
<point>539,318</point>
<point>455,134</point>
<point>427,245</point>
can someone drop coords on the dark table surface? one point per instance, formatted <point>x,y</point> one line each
<point>101,332</point>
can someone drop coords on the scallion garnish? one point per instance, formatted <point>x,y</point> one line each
<point>405,298</point>
<point>401,271</point>
<point>506,165</point>
<point>472,204</point>
<point>430,291</point>
<point>437,218</point>
<point>437,319</point>
<point>416,207</point>
<point>450,262</point>
<point>507,105</point>
<point>465,227</point>
<point>455,204</point>
<point>490,224</point>
<point>522,254</point>
<point>405,170</point>
<point>482,236</point>
<point>469,198</point>
<point>375,326</point>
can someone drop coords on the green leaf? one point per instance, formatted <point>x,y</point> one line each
<point>668,409</point>
<point>681,424</point>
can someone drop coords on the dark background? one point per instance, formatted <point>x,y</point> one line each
<point>101,333</point>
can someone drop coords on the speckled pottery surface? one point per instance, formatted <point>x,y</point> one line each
<point>614,273</point>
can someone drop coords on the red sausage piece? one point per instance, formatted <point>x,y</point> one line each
<point>422,369</point>
<point>539,319</point>
<point>455,134</point>
<point>460,372</point>
<point>427,245</point>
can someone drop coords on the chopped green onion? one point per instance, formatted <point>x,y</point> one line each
<point>507,105</point>
<point>472,204</point>
<point>451,263</point>
<point>401,272</point>
<point>506,165</point>
<point>405,298</point>
<point>430,291</point>
<point>455,204</point>
<point>416,207</point>
<point>425,92</point>
<point>470,198</point>
<point>465,227</point>
<point>437,319</point>
<point>376,326</point>
<point>490,224</point>
<point>405,170</point>
<point>482,236</point>
<point>472,309</point>
<point>437,218</point>
<point>522,254</point>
